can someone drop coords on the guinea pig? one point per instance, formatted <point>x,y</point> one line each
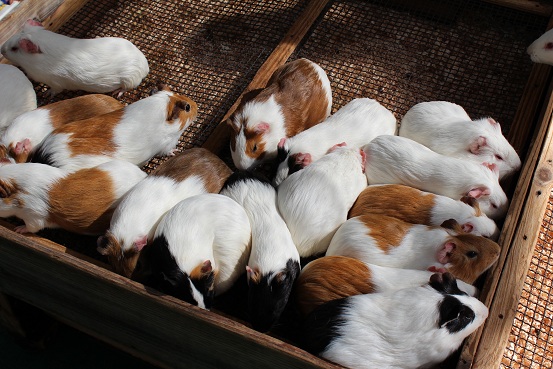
<point>438,126</point>
<point>408,328</point>
<point>334,277</point>
<point>387,241</point>
<point>29,129</point>
<point>80,202</point>
<point>356,124</point>
<point>102,64</point>
<point>192,172</point>
<point>274,262</point>
<point>199,250</point>
<point>400,160</point>
<point>17,95</point>
<point>149,127</point>
<point>315,201</point>
<point>419,207</point>
<point>296,97</point>
<point>541,50</point>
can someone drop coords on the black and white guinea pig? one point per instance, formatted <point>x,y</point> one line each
<point>146,128</point>
<point>419,207</point>
<point>192,172</point>
<point>297,96</point>
<point>30,128</point>
<point>199,250</point>
<point>439,126</point>
<point>356,124</point>
<point>17,95</point>
<point>274,262</point>
<point>102,64</point>
<point>404,329</point>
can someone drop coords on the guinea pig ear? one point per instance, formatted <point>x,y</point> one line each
<point>451,224</point>
<point>33,23</point>
<point>477,144</point>
<point>471,201</point>
<point>445,283</point>
<point>479,192</point>
<point>232,123</point>
<point>139,243</point>
<point>253,276</point>
<point>28,46</point>
<point>493,167</point>
<point>262,128</point>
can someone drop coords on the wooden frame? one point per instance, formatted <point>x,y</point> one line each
<point>175,334</point>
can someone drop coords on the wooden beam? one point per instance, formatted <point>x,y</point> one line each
<point>219,138</point>
<point>529,6</point>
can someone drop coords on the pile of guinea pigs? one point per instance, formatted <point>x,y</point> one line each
<point>398,222</point>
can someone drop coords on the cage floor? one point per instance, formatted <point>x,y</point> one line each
<point>398,52</point>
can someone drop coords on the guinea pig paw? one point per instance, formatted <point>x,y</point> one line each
<point>118,93</point>
<point>173,152</point>
<point>21,229</point>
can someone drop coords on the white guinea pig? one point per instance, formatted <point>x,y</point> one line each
<point>419,207</point>
<point>17,95</point>
<point>541,50</point>
<point>48,197</point>
<point>440,126</point>
<point>404,329</point>
<point>296,97</point>
<point>199,250</point>
<point>356,124</point>
<point>102,64</point>
<point>151,126</point>
<point>29,129</point>
<point>315,201</point>
<point>400,160</point>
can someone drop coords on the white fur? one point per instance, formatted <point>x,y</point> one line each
<point>356,124</point>
<point>208,227</point>
<point>398,330</point>
<point>325,83</point>
<point>539,51</point>
<point>141,209</point>
<point>17,95</point>
<point>34,125</point>
<point>142,133</point>
<point>100,65</point>
<point>399,160</point>
<point>440,126</point>
<point>315,201</point>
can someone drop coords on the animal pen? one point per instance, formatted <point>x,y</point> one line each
<point>398,52</point>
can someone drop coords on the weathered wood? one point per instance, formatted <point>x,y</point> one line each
<point>162,330</point>
<point>530,6</point>
<point>219,138</point>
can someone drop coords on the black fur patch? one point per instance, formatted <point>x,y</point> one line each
<point>445,283</point>
<point>244,175</point>
<point>266,301</point>
<point>454,315</point>
<point>39,156</point>
<point>320,327</point>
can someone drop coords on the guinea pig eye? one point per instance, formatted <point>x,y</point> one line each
<point>187,108</point>
<point>494,206</point>
<point>498,157</point>
<point>254,148</point>
<point>472,254</point>
<point>15,48</point>
<point>549,46</point>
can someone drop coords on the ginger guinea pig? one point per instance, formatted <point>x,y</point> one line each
<point>192,172</point>
<point>47,197</point>
<point>29,129</point>
<point>17,95</point>
<point>296,97</point>
<point>149,127</point>
<point>102,64</point>
<point>334,277</point>
<point>387,241</point>
<point>419,207</point>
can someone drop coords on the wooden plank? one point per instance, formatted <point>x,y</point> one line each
<point>219,138</point>
<point>162,330</point>
<point>530,6</point>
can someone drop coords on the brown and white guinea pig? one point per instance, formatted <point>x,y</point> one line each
<point>199,250</point>
<point>296,97</point>
<point>29,129</point>
<point>149,127</point>
<point>274,262</point>
<point>315,201</point>
<point>192,172</point>
<point>409,328</point>
<point>356,124</point>
<point>419,207</point>
<point>441,127</point>
<point>400,160</point>
<point>387,241</point>
<point>17,95</point>
<point>541,50</point>
<point>48,197</point>
<point>334,277</point>
<point>102,64</point>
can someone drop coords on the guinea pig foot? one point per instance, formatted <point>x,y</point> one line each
<point>21,229</point>
<point>173,152</point>
<point>118,93</point>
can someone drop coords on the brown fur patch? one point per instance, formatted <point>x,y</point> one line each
<point>82,202</point>
<point>255,146</point>
<point>82,107</point>
<point>330,278</point>
<point>9,193</point>
<point>387,232</point>
<point>122,263</point>
<point>469,269</point>
<point>196,161</point>
<point>181,107</point>
<point>471,201</point>
<point>5,152</point>
<point>403,202</point>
